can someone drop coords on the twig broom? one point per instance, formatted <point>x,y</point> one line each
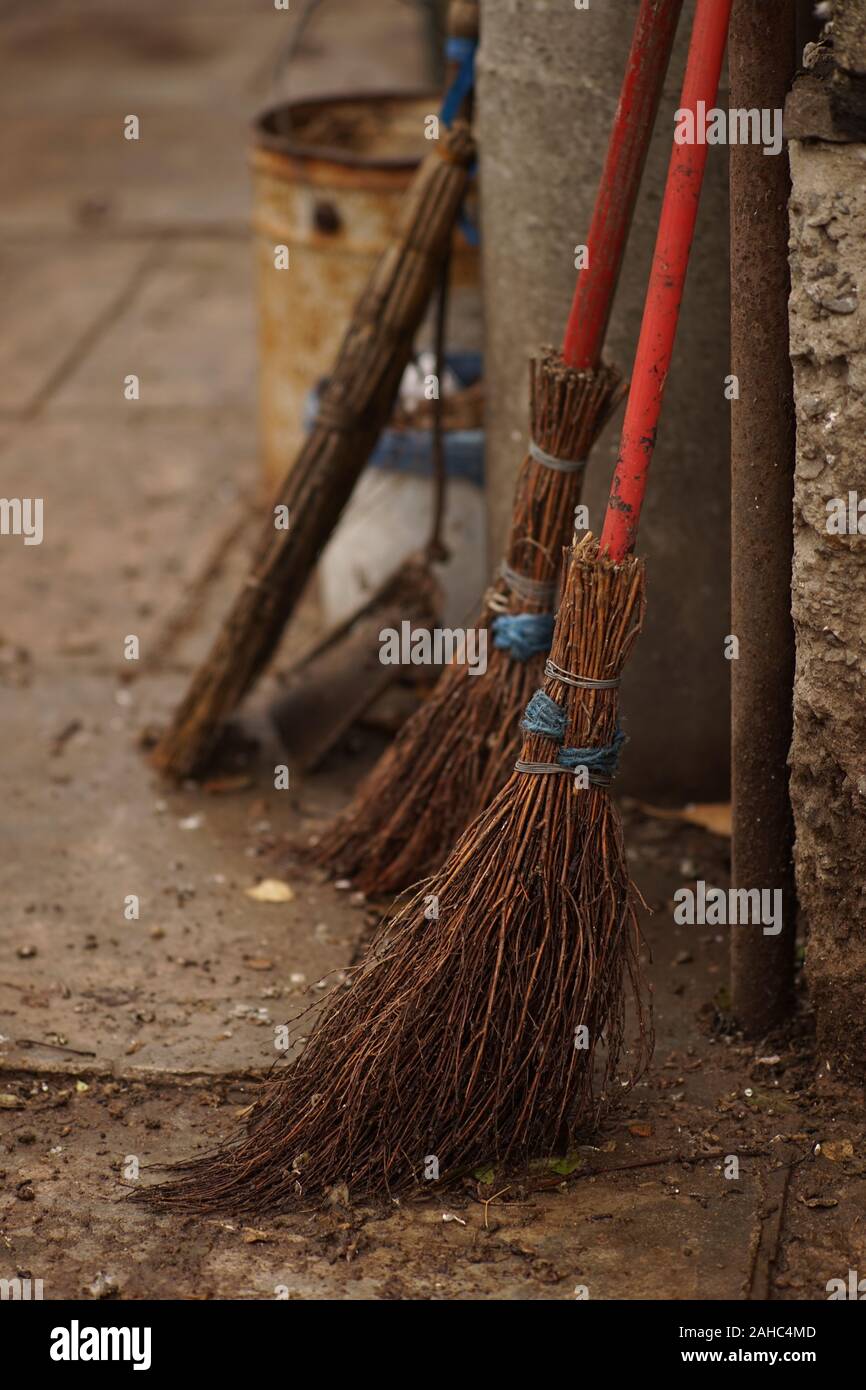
<point>458,749</point>
<point>353,409</point>
<point>480,1031</point>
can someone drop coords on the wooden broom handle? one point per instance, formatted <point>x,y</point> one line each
<point>665,289</point>
<point>633,123</point>
<point>462,19</point>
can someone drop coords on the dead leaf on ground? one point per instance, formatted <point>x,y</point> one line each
<point>271,890</point>
<point>566,1165</point>
<point>714,816</point>
<point>837,1149</point>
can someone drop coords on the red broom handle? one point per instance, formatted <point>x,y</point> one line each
<point>650,51</point>
<point>665,289</point>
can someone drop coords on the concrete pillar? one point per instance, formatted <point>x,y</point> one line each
<point>548,81</point>
<point>826,126</point>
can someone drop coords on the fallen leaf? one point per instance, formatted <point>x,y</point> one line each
<point>836,1149</point>
<point>714,816</point>
<point>770,1101</point>
<point>10,1102</point>
<point>567,1165</point>
<point>258,963</point>
<point>254,1237</point>
<point>641,1130</point>
<point>81,1087</point>
<point>271,890</point>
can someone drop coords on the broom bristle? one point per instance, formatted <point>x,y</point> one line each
<point>457,750</point>
<point>458,1040</point>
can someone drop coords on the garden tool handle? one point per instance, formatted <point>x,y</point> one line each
<point>648,58</point>
<point>462,19</point>
<point>667,278</point>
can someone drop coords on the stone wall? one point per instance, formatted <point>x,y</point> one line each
<point>828,346</point>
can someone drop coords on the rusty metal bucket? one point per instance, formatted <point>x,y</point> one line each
<point>328,180</point>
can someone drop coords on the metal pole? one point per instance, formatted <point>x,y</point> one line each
<point>762,55</point>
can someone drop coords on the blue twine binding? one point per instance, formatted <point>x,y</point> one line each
<point>603,762</point>
<point>468,227</point>
<point>461,51</point>
<point>546,717</point>
<point>522,634</point>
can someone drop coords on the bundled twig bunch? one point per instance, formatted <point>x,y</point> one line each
<point>458,749</point>
<point>488,1020</point>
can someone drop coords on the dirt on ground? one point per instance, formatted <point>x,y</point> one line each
<point>144,968</point>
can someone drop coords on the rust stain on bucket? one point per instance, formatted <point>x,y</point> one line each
<point>328,182</point>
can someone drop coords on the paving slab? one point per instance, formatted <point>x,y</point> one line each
<point>129,58</point>
<point>187,171</point>
<point>188,334</point>
<point>57,302</point>
<point>131,943</point>
<point>167,55</point>
<point>194,80</point>
<point>618,1238</point>
<point>132,503</point>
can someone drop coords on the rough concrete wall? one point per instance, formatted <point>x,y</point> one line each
<point>549,78</point>
<point>849,35</point>
<point>828,756</point>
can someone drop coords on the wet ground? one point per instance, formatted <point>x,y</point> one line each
<point>141,983</point>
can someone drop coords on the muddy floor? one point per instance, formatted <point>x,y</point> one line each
<point>141,983</point>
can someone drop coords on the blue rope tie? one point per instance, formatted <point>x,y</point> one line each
<point>461,51</point>
<point>545,717</point>
<point>522,634</point>
<point>604,762</point>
